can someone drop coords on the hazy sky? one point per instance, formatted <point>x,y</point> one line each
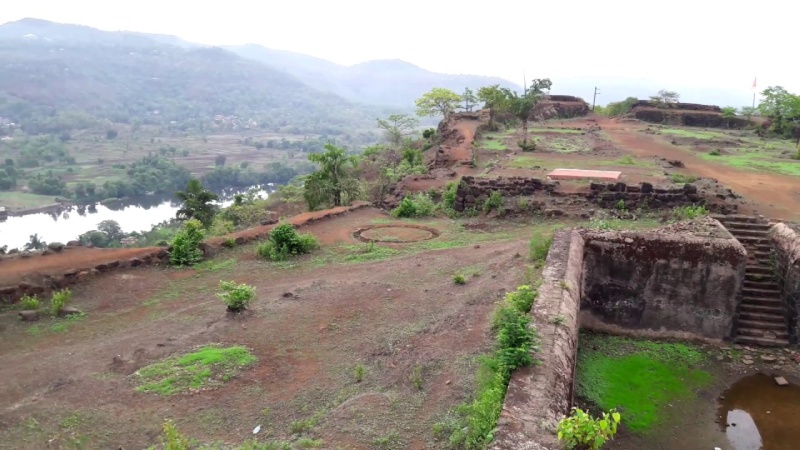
<point>703,43</point>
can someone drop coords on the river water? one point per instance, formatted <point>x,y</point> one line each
<point>134,215</point>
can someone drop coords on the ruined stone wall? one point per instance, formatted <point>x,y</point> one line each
<point>663,284</point>
<point>786,248</point>
<point>473,192</point>
<point>539,395</point>
<point>689,118</point>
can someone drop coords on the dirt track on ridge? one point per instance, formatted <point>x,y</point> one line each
<point>773,195</point>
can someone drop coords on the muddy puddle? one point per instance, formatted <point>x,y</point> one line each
<point>757,414</point>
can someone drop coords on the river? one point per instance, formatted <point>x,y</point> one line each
<point>134,215</point>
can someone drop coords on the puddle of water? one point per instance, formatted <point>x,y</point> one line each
<point>757,414</point>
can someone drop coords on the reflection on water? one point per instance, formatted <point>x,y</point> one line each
<point>136,215</point>
<point>761,415</point>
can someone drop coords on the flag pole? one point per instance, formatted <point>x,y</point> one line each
<point>754,91</point>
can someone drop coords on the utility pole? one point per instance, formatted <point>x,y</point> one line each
<point>595,97</point>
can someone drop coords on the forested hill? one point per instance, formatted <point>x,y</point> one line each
<point>56,77</point>
<point>380,82</point>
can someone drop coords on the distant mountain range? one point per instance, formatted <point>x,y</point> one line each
<point>381,82</point>
<point>56,75</point>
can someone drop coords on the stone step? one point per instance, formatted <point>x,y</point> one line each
<point>761,325</point>
<point>775,302</point>
<point>740,218</point>
<point>760,309</point>
<point>761,341</point>
<point>758,269</point>
<point>754,241</point>
<point>734,225</point>
<point>759,277</point>
<point>746,315</point>
<point>765,256</point>
<point>736,232</point>
<point>761,293</point>
<point>760,332</point>
<point>767,285</point>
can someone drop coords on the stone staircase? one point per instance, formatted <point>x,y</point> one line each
<point>762,318</point>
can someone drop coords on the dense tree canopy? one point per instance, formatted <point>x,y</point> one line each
<point>437,102</point>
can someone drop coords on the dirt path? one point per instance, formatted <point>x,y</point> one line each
<point>773,195</point>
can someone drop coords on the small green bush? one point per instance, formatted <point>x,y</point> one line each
<point>580,431</point>
<point>715,152</point>
<point>516,338</point>
<point>236,296</point>
<point>495,201</point>
<point>459,279</point>
<point>229,242</point>
<point>417,205</point>
<point>680,178</point>
<point>284,241</point>
<point>186,244</point>
<point>359,373</point>
<point>60,300</point>
<point>449,195</point>
<point>540,247</point>
<point>689,212</point>
<point>30,303</point>
<point>173,439</point>
<point>529,146</point>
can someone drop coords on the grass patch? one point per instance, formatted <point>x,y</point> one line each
<point>555,130</point>
<point>493,144</point>
<point>757,162</point>
<point>212,265</point>
<point>639,378</point>
<point>19,200</point>
<point>696,134</point>
<point>680,178</point>
<point>207,367</point>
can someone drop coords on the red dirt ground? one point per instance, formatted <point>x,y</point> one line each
<point>773,195</point>
<point>395,317</point>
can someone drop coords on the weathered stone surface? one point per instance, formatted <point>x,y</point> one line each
<point>74,244</point>
<point>68,311</point>
<point>682,285</point>
<point>786,243</point>
<point>29,316</point>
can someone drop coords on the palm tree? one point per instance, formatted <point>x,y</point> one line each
<point>35,243</point>
<point>197,203</point>
<point>332,169</point>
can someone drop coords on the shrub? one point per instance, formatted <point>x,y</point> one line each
<point>529,146</point>
<point>30,303</point>
<point>495,201</point>
<point>540,247</point>
<point>359,373</point>
<point>429,133</point>
<point>173,439</point>
<point>515,342</point>
<point>689,212</point>
<point>459,279</point>
<point>236,296</point>
<point>449,195</point>
<point>417,205</point>
<point>229,242</point>
<point>627,160</point>
<point>284,241</point>
<point>186,244</point>
<point>60,300</point>
<point>580,431</point>
<point>715,152</point>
